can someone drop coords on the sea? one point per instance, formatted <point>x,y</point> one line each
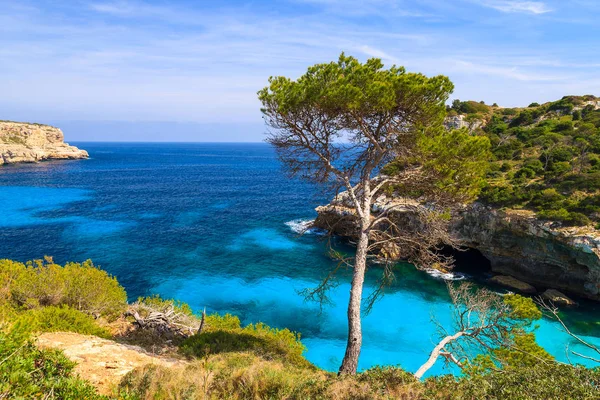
<point>218,226</point>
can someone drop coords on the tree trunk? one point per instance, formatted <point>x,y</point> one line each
<point>436,353</point>
<point>350,362</point>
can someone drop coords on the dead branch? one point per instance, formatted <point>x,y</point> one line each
<point>551,311</point>
<point>480,318</point>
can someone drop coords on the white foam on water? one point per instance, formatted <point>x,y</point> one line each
<point>447,276</point>
<point>304,226</point>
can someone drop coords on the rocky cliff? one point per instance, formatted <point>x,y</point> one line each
<point>25,142</point>
<point>541,253</point>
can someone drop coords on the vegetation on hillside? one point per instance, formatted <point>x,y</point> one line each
<point>228,360</point>
<point>546,158</point>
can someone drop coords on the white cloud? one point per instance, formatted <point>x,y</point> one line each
<point>504,72</point>
<point>516,6</point>
<point>373,52</point>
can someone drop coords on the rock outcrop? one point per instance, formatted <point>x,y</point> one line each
<point>25,142</point>
<point>542,254</point>
<point>513,284</point>
<point>557,298</point>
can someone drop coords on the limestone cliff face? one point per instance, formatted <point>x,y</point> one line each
<point>543,254</point>
<point>24,142</point>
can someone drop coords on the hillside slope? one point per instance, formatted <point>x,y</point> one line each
<point>546,156</point>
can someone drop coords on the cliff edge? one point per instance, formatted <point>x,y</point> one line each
<point>544,254</point>
<point>26,142</point>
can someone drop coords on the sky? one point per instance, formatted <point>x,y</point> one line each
<point>189,70</point>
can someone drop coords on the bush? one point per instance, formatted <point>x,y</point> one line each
<point>584,182</point>
<point>543,380</point>
<point>559,168</point>
<point>566,217</point>
<point>533,164</point>
<point>547,199</point>
<point>60,319</point>
<point>564,105</point>
<point>81,286</point>
<point>224,334</point>
<point>525,172</point>
<point>159,304</point>
<point>27,372</point>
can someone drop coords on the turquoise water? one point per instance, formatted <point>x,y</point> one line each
<point>212,225</point>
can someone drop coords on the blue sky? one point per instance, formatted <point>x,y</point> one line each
<point>101,68</point>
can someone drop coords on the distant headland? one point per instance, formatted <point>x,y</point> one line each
<point>23,142</point>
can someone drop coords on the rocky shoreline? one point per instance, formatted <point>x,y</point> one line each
<point>542,254</point>
<point>27,143</point>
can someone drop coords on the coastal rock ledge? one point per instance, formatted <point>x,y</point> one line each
<point>25,142</point>
<point>543,254</point>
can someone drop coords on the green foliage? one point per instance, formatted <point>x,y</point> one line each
<point>523,308</point>
<point>470,107</point>
<point>564,105</point>
<point>81,286</point>
<point>382,377</point>
<point>159,304</point>
<point>28,372</point>
<point>545,147</point>
<point>60,319</point>
<point>459,159</point>
<point>217,322</point>
<point>538,381</point>
<point>348,86</point>
<point>524,352</point>
<point>224,334</point>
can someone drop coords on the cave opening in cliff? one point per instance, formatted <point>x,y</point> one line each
<point>470,261</point>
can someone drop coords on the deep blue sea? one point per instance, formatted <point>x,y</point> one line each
<point>213,225</point>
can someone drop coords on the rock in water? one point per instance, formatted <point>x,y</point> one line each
<point>25,142</point>
<point>514,284</point>
<point>558,298</point>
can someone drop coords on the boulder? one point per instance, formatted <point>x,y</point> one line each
<point>513,283</point>
<point>558,298</point>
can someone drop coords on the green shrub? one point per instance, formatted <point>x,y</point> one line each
<point>159,304</point>
<point>27,372</point>
<point>505,167</point>
<point>382,377</point>
<point>224,334</point>
<point>564,105</point>
<point>539,381</point>
<point>559,168</point>
<point>216,322</point>
<point>60,319</point>
<point>494,174</point>
<point>533,164</point>
<point>525,172</point>
<point>82,286</point>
